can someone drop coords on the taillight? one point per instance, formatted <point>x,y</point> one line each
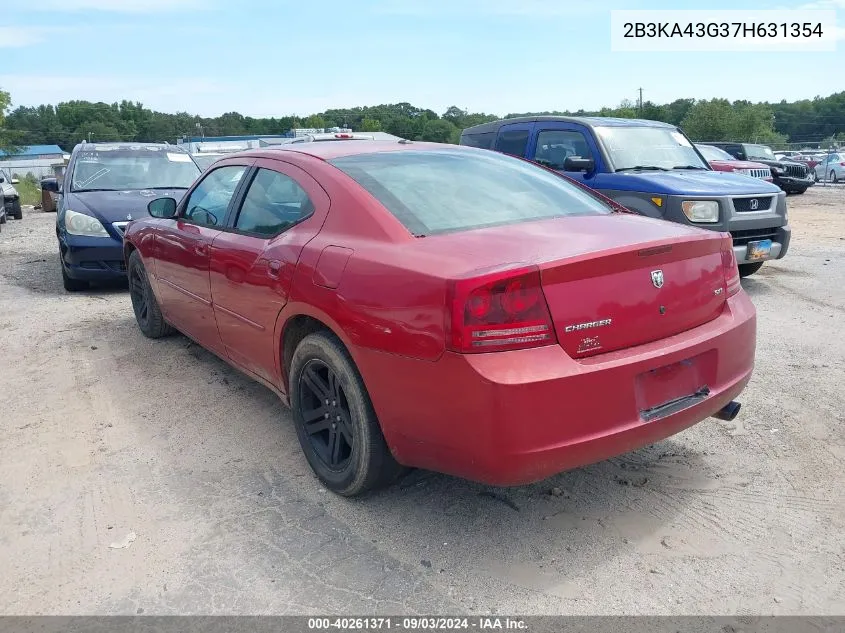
<point>729,265</point>
<point>498,311</point>
<point>842,164</point>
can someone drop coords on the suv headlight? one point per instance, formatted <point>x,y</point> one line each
<point>701,210</point>
<point>81,224</point>
<point>776,170</point>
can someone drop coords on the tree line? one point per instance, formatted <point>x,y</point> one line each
<point>817,121</point>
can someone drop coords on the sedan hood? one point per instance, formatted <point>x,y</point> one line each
<point>118,206</point>
<point>695,183</point>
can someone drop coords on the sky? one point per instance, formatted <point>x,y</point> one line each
<point>284,57</point>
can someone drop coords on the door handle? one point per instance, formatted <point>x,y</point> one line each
<point>201,250</point>
<point>274,266</point>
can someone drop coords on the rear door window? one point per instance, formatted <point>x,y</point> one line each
<point>484,140</point>
<point>512,142</point>
<point>452,190</point>
<point>273,203</point>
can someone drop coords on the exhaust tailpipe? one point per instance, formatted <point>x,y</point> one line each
<point>728,412</point>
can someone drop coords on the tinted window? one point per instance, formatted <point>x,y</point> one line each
<point>762,152</point>
<point>483,140</point>
<point>512,142</point>
<point>714,153</point>
<point>449,190</point>
<point>273,203</point>
<point>555,146</point>
<point>127,168</point>
<point>208,203</point>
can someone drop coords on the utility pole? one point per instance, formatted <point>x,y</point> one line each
<point>640,103</point>
<point>89,136</point>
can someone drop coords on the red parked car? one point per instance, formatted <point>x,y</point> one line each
<point>720,160</point>
<point>445,307</point>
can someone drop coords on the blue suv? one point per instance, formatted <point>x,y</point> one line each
<point>106,186</point>
<point>651,168</point>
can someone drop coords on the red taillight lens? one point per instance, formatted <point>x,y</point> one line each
<point>498,311</point>
<point>842,164</point>
<point>729,264</point>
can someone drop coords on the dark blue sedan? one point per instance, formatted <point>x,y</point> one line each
<point>106,186</point>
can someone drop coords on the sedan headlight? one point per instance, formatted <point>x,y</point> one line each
<point>81,224</point>
<point>701,210</point>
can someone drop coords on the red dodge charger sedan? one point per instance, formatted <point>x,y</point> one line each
<point>442,307</point>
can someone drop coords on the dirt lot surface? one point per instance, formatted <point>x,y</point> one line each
<point>107,437</point>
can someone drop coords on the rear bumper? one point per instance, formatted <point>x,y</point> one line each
<point>512,418</point>
<point>92,258</point>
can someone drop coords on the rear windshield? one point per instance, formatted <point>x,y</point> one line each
<point>455,190</point>
<point>714,153</point>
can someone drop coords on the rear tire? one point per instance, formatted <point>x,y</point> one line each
<point>70,284</point>
<point>833,177</point>
<point>147,311</point>
<point>337,427</point>
<point>746,270</point>
<point>17,212</point>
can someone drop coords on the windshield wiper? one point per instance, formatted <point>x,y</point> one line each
<point>87,190</point>
<point>690,167</point>
<point>643,168</point>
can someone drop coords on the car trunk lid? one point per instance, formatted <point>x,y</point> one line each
<point>631,295</point>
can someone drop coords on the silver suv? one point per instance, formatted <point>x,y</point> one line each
<point>10,201</point>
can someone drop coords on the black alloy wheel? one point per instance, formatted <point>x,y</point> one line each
<point>326,415</point>
<point>147,312</point>
<point>335,422</point>
<point>138,293</point>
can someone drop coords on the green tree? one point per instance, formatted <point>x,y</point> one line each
<point>438,131</point>
<point>709,121</point>
<point>7,138</point>
<point>370,125</point>
<point>314,121</point>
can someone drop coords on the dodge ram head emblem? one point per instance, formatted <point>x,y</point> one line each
<point>754,204</point>
<point>657,278</point>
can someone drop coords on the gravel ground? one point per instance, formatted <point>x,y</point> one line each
<point>107,436</point>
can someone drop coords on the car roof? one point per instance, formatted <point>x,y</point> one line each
<point>329,151</point>
<point>589,121</point>
<point>131,146</point>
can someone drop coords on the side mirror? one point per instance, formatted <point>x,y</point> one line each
<point>50,184</point>
<point>162,208</point>
<point>576,163</point>
<point>15,181</point>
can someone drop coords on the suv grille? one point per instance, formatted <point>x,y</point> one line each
<point>752,204</point>
<point>796,171</point>
<point>756,173</point>
<point>741,238</point>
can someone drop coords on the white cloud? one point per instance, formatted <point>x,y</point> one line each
<point>20,36</point>
<point>819,5</point>
<point>122,6</point>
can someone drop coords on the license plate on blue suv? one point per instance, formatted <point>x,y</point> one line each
<point>759,250</point>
